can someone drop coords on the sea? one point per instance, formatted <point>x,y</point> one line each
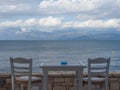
<point>56,51</point>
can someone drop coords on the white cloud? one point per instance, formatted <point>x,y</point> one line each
<point>93,16</point>
<point>14,8</point>
<point>88,8</point>
<point>15,1</point>
<point>23,30</point>
<point>118,2</point>
<point>66,5</point>
<point>50,21</point>
<point>113,23</point>
<point>33,22</point>
<point>11,8</point>
<point>17,23</point>
<point>77,5</point>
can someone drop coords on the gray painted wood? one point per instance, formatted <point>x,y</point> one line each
<point>98,66</point>
<point>58,67</point>
<point>22,67</point>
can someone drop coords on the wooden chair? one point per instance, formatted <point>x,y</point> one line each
<point>21,74</point>
<point>97,67</point>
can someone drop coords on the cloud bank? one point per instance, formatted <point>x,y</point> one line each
<point>30,17</point>
<point>60,23</point>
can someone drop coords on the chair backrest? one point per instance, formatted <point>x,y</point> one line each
<point>98,66</point>
<point>21,66</point>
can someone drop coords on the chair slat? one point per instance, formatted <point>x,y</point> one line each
<point>99,60</point>
<point>98,72</point>
<point>21,72</point>
<point>21,60</point>
<point>98,68</point>
<point>21,67</point>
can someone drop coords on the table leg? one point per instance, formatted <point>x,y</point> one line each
<point>77,79</point>
<point>45,80</point>
<point>80,79</point>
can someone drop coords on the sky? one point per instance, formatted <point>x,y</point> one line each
<point>59,19</point>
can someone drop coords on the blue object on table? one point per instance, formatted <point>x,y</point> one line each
<point>63,63</point>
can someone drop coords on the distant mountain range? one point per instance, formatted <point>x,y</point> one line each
<point>90,35</point>
<point>66,34</point>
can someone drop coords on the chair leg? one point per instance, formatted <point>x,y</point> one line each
<point>89,86</point>
<point>40,87</point>
<point>22,87</point>
<point>98,88</point>
<point>106,85</point>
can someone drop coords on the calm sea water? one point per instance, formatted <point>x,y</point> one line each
<point>57,51</point>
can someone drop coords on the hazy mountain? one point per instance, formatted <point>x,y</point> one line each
<point>67,34</point>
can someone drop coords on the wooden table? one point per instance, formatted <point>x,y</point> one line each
<point>78,68</point>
